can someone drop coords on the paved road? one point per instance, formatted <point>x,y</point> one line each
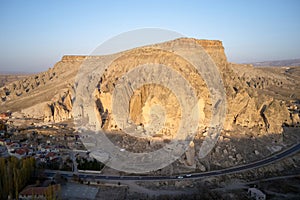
<point>264,162</point>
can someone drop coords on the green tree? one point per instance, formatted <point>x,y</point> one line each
<point>14,175</point>
<point>52,192</point>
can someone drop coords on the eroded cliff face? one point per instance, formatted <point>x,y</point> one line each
<point>47,95</point>
<point>50,95</point>
<point>246,106</point>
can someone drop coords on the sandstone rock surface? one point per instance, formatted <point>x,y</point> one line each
<point>250,92</point>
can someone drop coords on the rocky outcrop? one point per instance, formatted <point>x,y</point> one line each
<point>47,95</point>
<point>57,110</point>
<point>190,154</point>
<point>273,120</point>
<point>246,106</point>
<point>52,92</point>
<point>261,78</point>
<point>60,107</point>
<point>22,87</point>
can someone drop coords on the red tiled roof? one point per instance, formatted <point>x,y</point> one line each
<point>55,159</point>
<point>50,154</point>
<point>20,151</point>
<point>3,115</point>
<point>37,190</point>
<point>34,190</point>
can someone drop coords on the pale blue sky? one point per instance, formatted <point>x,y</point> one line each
<point>36,34</point>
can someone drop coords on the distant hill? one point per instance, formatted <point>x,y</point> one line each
<point>292,62</point>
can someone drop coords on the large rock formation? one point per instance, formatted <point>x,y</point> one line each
<point>251,100</point>
<point>47,95</point>
<point>247,106</point>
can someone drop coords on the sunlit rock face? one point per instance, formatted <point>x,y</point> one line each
<point>245,106</point>
<point>50,95</point>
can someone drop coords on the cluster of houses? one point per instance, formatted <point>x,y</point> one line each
<point>22,143</point>
<point>21,150</point>
<point>51,147</point>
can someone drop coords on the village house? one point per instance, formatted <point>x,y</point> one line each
<point>40,193</point>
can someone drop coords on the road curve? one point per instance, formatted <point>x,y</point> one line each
<point>273,158</point>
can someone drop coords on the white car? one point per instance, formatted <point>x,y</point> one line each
<point>180,177</point>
